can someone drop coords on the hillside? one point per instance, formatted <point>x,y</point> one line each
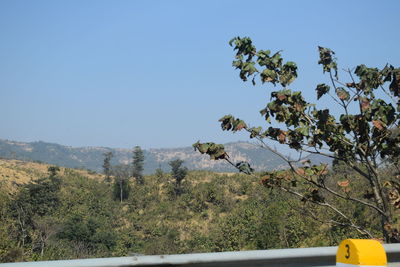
<point>13,172</point>
<point>69,216</point>
<point>92,157</point>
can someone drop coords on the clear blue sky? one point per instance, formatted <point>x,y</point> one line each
<point>158,73</point>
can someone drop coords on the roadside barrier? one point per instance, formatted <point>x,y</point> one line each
<point>318,256</point>
<point>361,252</point>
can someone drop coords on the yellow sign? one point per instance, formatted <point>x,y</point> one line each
<point>361,252</point>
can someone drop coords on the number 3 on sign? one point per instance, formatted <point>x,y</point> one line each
<point>360,252</point>
<point>347,256</point>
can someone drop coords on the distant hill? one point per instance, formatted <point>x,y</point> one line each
<point>92,157</point>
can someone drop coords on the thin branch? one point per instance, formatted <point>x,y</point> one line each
<point>343,84</point>
<point>352,225</point>
<point>323,186</point>
<point>325,204</point>
<point>334,99</point>
<point>353,199</point>
<point>274,150</point>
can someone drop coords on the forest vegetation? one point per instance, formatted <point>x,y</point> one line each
<point>51,213</point>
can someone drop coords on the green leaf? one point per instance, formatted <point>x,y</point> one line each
<point>303,130</point>
<point>276,60</point>
<point>202,148</point>
<point>238,125</point>
<point>237,64</point>
<point>342,94</point>
<point>244,167</point>
<point>254,132</point>
<point>226,122</point>
<point>370,78</point>
<point>327,60</point>
<point>215,151</point>
<point>232,40</point>
<point>395,84</point>
<point>322,89</point>
<point>263,57</point>
<point>265,112</point>
<point>288,73</point>
<point>269,76</point>
<point>347,122</point>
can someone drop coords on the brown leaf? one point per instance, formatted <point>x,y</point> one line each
<point>364,104</point>
<point>387,226</point>
<point>300,171</point>
<point>281,97</point>
<point>351,85</point>
<point>378,124</point>
<point>282,137</point>
<point>265,180</point>
<point>298,107</point>
<point>344,183</point>
<point>323,172</point>
<point>239,127</point>
<point>343,95</point>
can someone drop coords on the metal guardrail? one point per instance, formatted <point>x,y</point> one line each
<point>319,256</point>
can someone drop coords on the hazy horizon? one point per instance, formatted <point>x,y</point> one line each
<point>125,148</point>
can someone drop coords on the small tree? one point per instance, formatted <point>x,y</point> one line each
<point>179,173</point>
<point>35,200</point>
<point>137,164</point>
<point>121,182</point>
<point>159,172</point>
<point>107,165</point>
<point>53,170</point>
<point>364,136</point>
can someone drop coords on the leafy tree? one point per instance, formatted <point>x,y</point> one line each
<point>137,164</point>
<point>39,197</point>
<point>31,203</point>
<point>179,173</point>
<point>53,170</point>
<point>91,230</point>
<point>121,182</point>
<point>107,165</point>
<point>45,228</point>
<point>9,251</point>
<point>363,135</point>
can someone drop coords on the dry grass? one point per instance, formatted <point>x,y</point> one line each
<point>14,172</point>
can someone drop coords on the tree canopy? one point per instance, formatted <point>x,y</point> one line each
<point>179,173</point>
<point>363,135</point>
<point>137,164</point>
